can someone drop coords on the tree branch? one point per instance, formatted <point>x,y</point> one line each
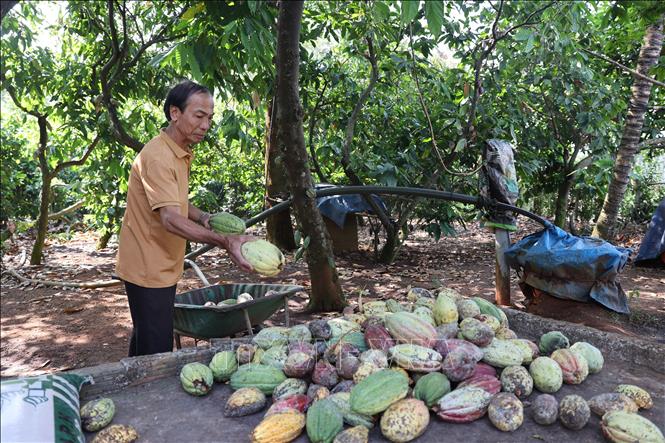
<point>12,93</point>
<point>312,124</point>
<point>80,161</point>
<point>582,164</point>
<point>429,121</point>
<point>525,22</point>
<point>654,143</point>
<point>351,124</point>
<point>623,67</point>
<point>67,210</point>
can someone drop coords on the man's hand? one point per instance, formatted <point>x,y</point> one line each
<point>233,244</point>
<point>204,220</point>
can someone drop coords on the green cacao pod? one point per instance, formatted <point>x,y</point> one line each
<point>489,308</point>
<point>97,414</point>
<point>324,421</point>
<point>266,378</point>
<point>265,258</point>
<point>225,223</point>
<point>431,387</point>
<point>196,378</point>
<point>223,365</point>
<point>376,392</point>
<point>275,356</point>
<point>445,309</point>
<point>343,402</point>
<point>547,375</point>
<point>552,341</point>
<point>289,387</point>
<point>502,353</point>
<point>271,336</point>
<point>624,427</point>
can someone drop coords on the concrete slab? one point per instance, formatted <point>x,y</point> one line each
<point>163,413</point>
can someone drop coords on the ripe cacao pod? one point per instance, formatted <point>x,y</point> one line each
<point>265,258</point>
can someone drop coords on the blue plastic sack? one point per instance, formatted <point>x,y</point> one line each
<point>336,207</point>
<point>570,267</point>
<point>653,243</point>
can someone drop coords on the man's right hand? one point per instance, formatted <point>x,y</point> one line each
<point>233,244</point>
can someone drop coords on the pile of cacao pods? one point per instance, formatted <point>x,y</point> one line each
<point>96,415</point>
<point>393,363</point>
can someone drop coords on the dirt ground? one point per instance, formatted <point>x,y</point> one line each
<point>49,329</point>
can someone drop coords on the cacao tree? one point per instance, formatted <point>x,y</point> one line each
<point>649,54</point>
<point>326,293</point>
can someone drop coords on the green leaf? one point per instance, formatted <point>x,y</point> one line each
<point>409,10</point>
<point>381,10</point>
<point>298,254</point>
<point>297,236</point>
<point>253,5</point>
<point>523,34</point>
<point>193,11</point>
<point>435,15</point>
<point>461,143</point>
<point>305,243</point>
<point>529,44</point>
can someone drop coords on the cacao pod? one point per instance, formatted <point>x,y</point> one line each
<point>225,223</point>
<point>265,258</point>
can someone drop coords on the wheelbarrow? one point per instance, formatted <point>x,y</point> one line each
<point>192,319</point>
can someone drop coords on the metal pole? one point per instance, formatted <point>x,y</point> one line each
<point>387,190</point>
<point>502,270</point>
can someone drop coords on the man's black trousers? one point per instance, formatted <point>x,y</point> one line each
<point>152,317</point>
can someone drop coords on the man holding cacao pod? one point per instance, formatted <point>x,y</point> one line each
<point>159,220</point>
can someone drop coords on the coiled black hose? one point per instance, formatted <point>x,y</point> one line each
<point>389,190</point>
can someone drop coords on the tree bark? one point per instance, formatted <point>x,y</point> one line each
<point>326,292</point>
<point>561,206</point>
<point>6,6</point>
<point>279,230</point>
<point>45,198</point>
<point>606,223</point>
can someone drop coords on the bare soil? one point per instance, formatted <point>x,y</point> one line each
<point>49,329</point>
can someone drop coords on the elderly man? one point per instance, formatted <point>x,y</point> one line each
<point>159,219</point>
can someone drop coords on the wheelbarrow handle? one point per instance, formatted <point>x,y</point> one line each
<point>198,272</point>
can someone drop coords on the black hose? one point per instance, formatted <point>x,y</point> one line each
<point>390,190</point>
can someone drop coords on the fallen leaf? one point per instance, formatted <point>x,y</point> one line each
<point>73,310</point>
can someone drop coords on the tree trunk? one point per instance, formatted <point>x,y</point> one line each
<point>326,292</point>
<point>561,207</point>
<point>623,165</point>
<point>278,226</point>
<point>104,239</point>
<point>42,221</point>
<point>6,6</point>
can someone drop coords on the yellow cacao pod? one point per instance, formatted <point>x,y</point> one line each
<point>265,258</point>
<point>282,427</point>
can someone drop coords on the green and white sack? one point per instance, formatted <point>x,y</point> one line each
<point>44,409</point>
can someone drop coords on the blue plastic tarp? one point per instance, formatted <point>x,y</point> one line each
<point>653,243</point>
<point>570,267</point>
<point>335,207</point>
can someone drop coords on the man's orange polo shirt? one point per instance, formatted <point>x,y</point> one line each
<point>149,255</point>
